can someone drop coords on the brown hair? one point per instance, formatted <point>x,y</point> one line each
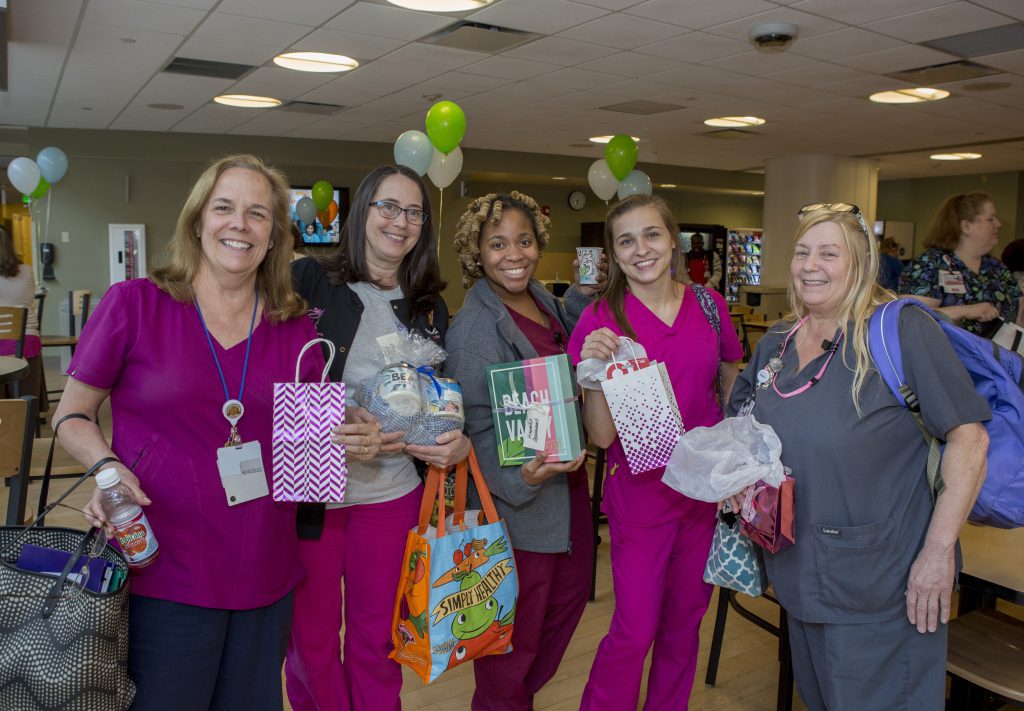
<point>185,252</point>
<point>9,262</point>
<point>489,209</point>
<point>614,291</point>
<point>945,231</point>
<point>419,274</point>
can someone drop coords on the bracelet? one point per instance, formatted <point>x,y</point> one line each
<point>96,467</point>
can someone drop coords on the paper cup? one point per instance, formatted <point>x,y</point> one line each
<point>588,258</point>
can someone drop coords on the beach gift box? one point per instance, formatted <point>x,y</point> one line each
<point>645,413</point>
<point>308,467</point>
<point>535,408</point>
<point>457,593</point>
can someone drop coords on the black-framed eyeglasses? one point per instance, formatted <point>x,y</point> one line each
<point>391,211</point>
<point>836,207</point>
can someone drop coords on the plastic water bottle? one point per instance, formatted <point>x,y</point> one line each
<point>124,513</point>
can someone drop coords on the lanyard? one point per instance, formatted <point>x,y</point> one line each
<point>232,409</point>
<point>833,347</point>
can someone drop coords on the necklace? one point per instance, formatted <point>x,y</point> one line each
<point>769,373</point>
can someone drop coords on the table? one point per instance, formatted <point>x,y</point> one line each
<point>993,566</point>
<point>12,369</point>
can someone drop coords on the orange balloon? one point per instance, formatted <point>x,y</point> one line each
<point>323,217</point>
<point>332,210</point>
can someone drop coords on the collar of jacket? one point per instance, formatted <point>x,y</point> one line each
<point>482,295</point>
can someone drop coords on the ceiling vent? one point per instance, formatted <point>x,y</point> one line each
<point>729,134</point>
<point>994,40</point>
<point>206,68</point>
<point>310,107</point>
<point>944,73</point>
<point>642,107</point>
<point>478,37</point>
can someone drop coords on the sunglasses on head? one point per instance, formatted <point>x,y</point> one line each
<point>836,207</point>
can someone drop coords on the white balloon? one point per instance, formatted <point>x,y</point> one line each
<point>414,150</point>
<point>602,181</point>
<point>24,174</point>
<point>445,167</point>
<point>636,183</point>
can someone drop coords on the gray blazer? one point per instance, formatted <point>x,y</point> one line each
<point>483,334</point>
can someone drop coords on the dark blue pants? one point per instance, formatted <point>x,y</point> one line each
<point>183,657</point>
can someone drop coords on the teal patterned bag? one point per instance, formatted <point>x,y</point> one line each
<point>733,560</point>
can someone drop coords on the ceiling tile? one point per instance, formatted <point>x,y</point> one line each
<point>351,44</point>
<point>611,4</point>
<point>698,15</point>
<point>622,31</point>
<point>235,28</point>
<point>60,10</point>
<point>757,63</point>
<point>695,76</point>
<point>944,21</point>
<point>213,118</point>
<point>631,64</point>
<point>809,25</point>
<point>463,81</point>
<point>36,30</point>
<point>575,78</point>
<point>1008,61</point>
<point>544,16</point>
<point>146,119</point>
<point>427,56</point>
<point>558,50</point>
<point>840,44</point>
<point>63,116</point>
<point>819,75</point>
<point>387,21</point>
<point>101,46</point>
<point>897,60</point>
<point>196,4</point>
<point>223,50</point>
<point>312,13</point>
<point>275,123</point>
<point>864,11</point>
<point>132,15</point>
<point>635,89</point>
<point>696,47</point>
<point>282,84</point>
<point>193,92</point>
<point>510,68</point>
<point>1010,8</point>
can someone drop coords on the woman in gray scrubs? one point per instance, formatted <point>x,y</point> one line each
<point>867,584</point>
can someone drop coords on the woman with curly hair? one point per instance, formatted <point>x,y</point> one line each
<point>509,316</point>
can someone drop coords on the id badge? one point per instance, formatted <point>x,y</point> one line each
<point>952,282</point>
<point>241,472</point>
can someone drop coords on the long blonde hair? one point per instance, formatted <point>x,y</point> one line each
<point>863,292</point>
<point>185,252</point>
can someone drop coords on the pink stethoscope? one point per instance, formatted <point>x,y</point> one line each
<point>767,375</point>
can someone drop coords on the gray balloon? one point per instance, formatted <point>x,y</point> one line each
<point>306,210</point>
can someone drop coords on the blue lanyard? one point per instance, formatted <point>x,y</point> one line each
<point>248,345</point>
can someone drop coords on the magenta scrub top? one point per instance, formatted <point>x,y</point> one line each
<point>689,348</point>
<point>151,352</point>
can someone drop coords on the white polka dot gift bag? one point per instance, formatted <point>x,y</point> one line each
<point>644,410</point>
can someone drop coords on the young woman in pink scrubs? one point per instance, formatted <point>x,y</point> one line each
<point>659,538</point>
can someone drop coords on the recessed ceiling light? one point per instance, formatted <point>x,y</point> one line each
<point>908,96</point>
<point>667,185</point>
<point>247,102</point>
<point>558,177</point>
<point>315,62</point>
<point>955,156</point>
<point>166,106</point>
<point>605,139</point>
<point>734,121</point>
<point>441,5</point>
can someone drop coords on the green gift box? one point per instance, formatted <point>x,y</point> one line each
<point>525,393</point>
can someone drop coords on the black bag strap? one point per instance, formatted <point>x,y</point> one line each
<point>710,309</point>
<point>44,488</point>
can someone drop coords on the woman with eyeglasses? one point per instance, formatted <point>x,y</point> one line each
<point>659,538</point>
<point>958,274</point>
<point>867,584</point>
<point>383,278</point>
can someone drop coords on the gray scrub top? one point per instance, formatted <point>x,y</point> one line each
<point>861,496</point>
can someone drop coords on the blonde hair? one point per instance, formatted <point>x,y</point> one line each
<point>945,231</point>
<point>863,292</point>
<point>614,291</point>
<point>185,252</point>
<point>488,209</point>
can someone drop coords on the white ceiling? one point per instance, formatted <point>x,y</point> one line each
<point>73,64</point>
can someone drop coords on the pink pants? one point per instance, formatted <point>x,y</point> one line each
<point>366,541</point>
<point>660,598</point>
<point>553,592</point>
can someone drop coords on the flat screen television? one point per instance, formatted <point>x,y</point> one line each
<point>316,232</point>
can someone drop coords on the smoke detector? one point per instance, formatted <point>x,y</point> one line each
<point>773,36</point>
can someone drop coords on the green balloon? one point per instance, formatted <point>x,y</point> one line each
<point>40,190</point>
<point>446,125</point>
<point>323,193</point>
<point>621,154</point>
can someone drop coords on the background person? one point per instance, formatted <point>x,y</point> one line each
<point>659,538</point>
<point>957,274</point>
<point>867,584</point>
<point>508,316</point>
<point>209,618</point>
<point>18,288</point>
<point>384,276</point>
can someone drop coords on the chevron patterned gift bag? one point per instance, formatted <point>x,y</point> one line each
<point>308,467</point>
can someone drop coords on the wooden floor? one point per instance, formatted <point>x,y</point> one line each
<point>747,673</point>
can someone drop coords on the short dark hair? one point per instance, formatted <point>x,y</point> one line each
<point>1013,256</point>
<point>419,275</point>
<point>9,262</point>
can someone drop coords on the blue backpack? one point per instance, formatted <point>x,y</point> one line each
<point>998,376</point>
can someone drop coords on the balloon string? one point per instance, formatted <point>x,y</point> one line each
<point>46,228</point>
<point>440,216</point>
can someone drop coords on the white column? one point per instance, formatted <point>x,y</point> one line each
<point>794,181</point>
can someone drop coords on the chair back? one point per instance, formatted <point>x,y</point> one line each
<point>13,320</point>
<point>78,310</point>
<point>17,427</point>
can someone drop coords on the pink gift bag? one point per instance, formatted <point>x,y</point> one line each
<point>308,467</point>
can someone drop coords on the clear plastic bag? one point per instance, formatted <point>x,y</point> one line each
<point>714,463</point>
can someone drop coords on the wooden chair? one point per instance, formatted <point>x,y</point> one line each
<point>985,649</point>
<point>13,322</point>
<point>64,466</point>
<point>596,517</point>
<point>78,313</point>
<point>728,598</point>
<point>752,333</point>
<point>17,425</point>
